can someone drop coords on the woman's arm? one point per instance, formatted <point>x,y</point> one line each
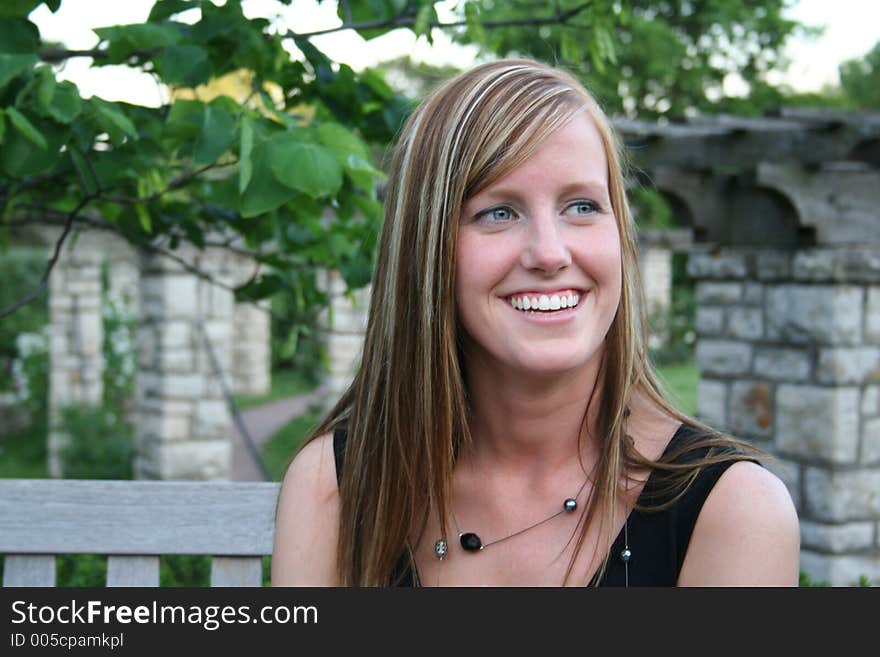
<point>747,533</point>
<point>307,519</point>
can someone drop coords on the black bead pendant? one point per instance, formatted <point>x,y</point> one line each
<point>625,555</point>
<point>570,504</point>
<point>471,542</point>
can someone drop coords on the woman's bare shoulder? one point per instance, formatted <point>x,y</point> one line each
<point>747,533</point>
<point>307,519</point>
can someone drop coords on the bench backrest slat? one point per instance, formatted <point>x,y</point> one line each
<point>236,571</point>
<point>132,571</point>
<point>57,516</point>
<point>29,570</point>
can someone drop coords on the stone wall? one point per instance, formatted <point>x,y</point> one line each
<point>344,323</point>
<point>76,360</point>
<point>789,355</point>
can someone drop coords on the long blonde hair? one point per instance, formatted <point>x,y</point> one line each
<point>406,411</point>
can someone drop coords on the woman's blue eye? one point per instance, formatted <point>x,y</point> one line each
<point>496,214</point>
<point>583,207</point>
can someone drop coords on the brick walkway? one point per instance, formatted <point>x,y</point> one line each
<point>261,423</point>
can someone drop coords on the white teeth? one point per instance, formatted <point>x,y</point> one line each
<point>545,302</point>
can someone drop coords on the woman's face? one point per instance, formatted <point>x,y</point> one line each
<point>538,269</point>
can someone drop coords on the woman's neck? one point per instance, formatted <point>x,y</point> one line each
<point>526,423</point>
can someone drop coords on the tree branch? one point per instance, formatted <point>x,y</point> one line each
<point>409,20</point>
<point>41,287</point>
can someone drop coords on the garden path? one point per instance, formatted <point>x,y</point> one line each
<point>261,423</point>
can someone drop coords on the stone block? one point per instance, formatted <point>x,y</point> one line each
<point>165,426</point>
<point>753,294</point>
<point>872,315</point>
<point>840,570</point>
<point>195,460</point>
<point>853,365</point>
<point>745,323</point>
<point>782,364</point>
<point>751,409</point>
<point>180,296</point>
<point>871,400</point>
<point>724,264</point>
<point>790,474</point>
<point>212,419</point>
<point>871,442</point>
<point>818,313</point>
<point>837,538</point>
<point>175,334</point>
<point>719,293</point>
<point>847,264</point>
<point>723,357</point>
<point>712,403</point>
<point>772,265</point>
<point>816,423</point>
<point>710,320</point>
<point>841,496</point>
<point>176,361</point>
<point>147,347</point>
<point>182,386</point>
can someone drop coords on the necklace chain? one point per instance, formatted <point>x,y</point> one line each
<point>564,509</point>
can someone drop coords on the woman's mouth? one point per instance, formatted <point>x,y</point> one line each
<point>544,303</point>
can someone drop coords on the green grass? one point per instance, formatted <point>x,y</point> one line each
<point>680,382</point>
<point>23,454</point>
<point>283,445</point>
<point>285,383</point>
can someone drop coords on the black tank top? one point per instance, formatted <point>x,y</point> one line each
<point>657,540</point>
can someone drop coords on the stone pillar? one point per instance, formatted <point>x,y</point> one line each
<point>76,361</point>
<point>789,357</point>
<point>346,323</point>
<point>183,421</point>
<point>252,350</point>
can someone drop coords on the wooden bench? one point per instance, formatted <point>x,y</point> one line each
<point>133,523</point>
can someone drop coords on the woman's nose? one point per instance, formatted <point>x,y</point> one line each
<point>546,250</point>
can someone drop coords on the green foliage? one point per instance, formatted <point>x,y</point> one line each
<point>20,269</point>
<point>100,444</point>
<point>645,58</point>
<point>860,80</point>
<point>283,445</point>
<point>804,579</point>
<point>679,322</point>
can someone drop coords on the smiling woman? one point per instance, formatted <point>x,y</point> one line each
<point>505,427</point>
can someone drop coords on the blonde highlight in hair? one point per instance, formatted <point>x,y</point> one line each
<point>406,411</point>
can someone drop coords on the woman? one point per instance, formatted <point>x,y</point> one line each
<point>504,427</point>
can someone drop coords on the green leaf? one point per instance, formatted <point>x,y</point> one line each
<point>20,157</point>
<point>12,66</point>
<point>186,65</point>
<point>112,120</point>
<point>26,128</point>
<point>45,88</point>
<point>425,16</point>
<point>82,167</point>
<point>185,120</point>
<point>143,215</point>
<point>362,173</point>
<point>18,35</point>
<point>164,9</point>
<point>125,40</point>
<point>2,125</point>
<point>342,141</point>
<point>66,103</point>
<point>18,7</point>
<point>474,25</point>
<point>308,168</point>
<point>606,44</point>
<point>218,131</point>
<point>263,193</point>
<point>245,166</point>
<point>569,47</point>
